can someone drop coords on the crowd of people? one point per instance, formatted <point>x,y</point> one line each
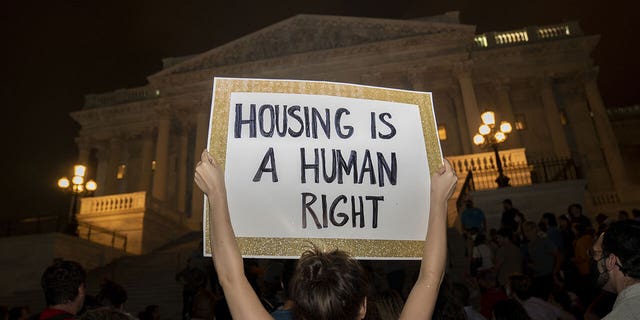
<point>561,267</point>
<point>555,267</point>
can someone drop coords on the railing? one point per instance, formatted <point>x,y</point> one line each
<point>32,225</point>
<point>118,203</point>
<point>120,96</point>
<point>519,175</point>
<point>102,236</point>
<point>553,169</point>
<point>485,169</point>
<point>529,34</point>
<point>605,198</point>
<point>520,171</point>
<point>467,187</point>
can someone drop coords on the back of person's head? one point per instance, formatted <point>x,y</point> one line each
<point>4,312</point>
<point>575,208</point>
<point>550,219</point>
<point>564,220</point>
<point>505,233</point>
<point>18,313</point>
<point>507,202</point>
<point>480,239</point>
<point>530,229</point>
<point>61,282</point>
<point>112,294</point>
<point>384,305</point>
<point>461,292</point>
<point>530,226</point>
<point>521,286</point>
<point>288,271</point>
<point>487,279</point>
<point>328,285</point>
<point>509,310</point>
<point>623,215</point>
<point>448,306</point>
<point>601,218</point>
<point>623,240</point>
<point>105,313</point>
<point>580,229</point>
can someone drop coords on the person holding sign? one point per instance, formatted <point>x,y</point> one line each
<point>326,285</point>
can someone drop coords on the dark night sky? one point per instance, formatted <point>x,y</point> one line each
<point>54,52</point>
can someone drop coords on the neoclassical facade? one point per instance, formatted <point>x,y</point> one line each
<point>141,144</point>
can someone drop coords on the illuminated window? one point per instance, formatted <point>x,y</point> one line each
<point>442,132</point>
<point>121,171</point>
<point>521,122</point>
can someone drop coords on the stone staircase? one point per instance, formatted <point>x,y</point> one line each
<point>150,278</point>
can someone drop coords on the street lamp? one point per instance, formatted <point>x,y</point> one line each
<point>76,187</point>
<point>492,136</point>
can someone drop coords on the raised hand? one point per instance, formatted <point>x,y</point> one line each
<point>443,182</point>
<point>209,176</point>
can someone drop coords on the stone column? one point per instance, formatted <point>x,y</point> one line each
<point>182,166</point>
<point>589,155</point>
<point>84,148</point>
<point>159,190</point>
<point>115,154</point>
<point>607,138</point>
<point>101,170</point>
<point>147,158</point>
<point>461,118</point>
<point>506,111</point>
<point>469,101</point>
<point>558,137</point>
<point>197,200</point>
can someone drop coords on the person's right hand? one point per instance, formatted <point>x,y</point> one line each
<point>209,176</point>
<point>443,182</point>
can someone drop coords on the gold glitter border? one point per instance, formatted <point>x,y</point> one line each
<point>290,247</point>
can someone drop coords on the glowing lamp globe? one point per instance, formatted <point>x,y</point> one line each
<point>63,183</point>
<point>505,127</point>
<point>478,139</point>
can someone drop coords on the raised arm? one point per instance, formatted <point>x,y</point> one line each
<point>424,294</point>
<point>242,300</point>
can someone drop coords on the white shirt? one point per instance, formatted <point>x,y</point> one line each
<point>627,305</point>
<point>538,309</point>
<point>484,251</point>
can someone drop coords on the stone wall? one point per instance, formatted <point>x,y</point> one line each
<point>25,258</point>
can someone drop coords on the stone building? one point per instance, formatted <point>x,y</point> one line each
<point>141,144</point>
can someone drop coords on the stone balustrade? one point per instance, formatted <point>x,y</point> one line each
<point>554,31</point>
<point>605,198</point>
<point>485,170</point>
<point>511,37</point>
<point>118,203</point>
<point>529,34</point>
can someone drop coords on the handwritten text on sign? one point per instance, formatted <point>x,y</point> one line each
<point>319,166</point>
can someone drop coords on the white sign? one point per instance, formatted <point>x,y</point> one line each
<point>304,163</point>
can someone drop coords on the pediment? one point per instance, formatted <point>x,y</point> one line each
<point>308,33</point>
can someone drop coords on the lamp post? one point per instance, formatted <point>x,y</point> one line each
<point>490,135</point>
<point>76,187</point>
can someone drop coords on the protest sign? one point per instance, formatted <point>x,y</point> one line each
<point>338,165</point>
